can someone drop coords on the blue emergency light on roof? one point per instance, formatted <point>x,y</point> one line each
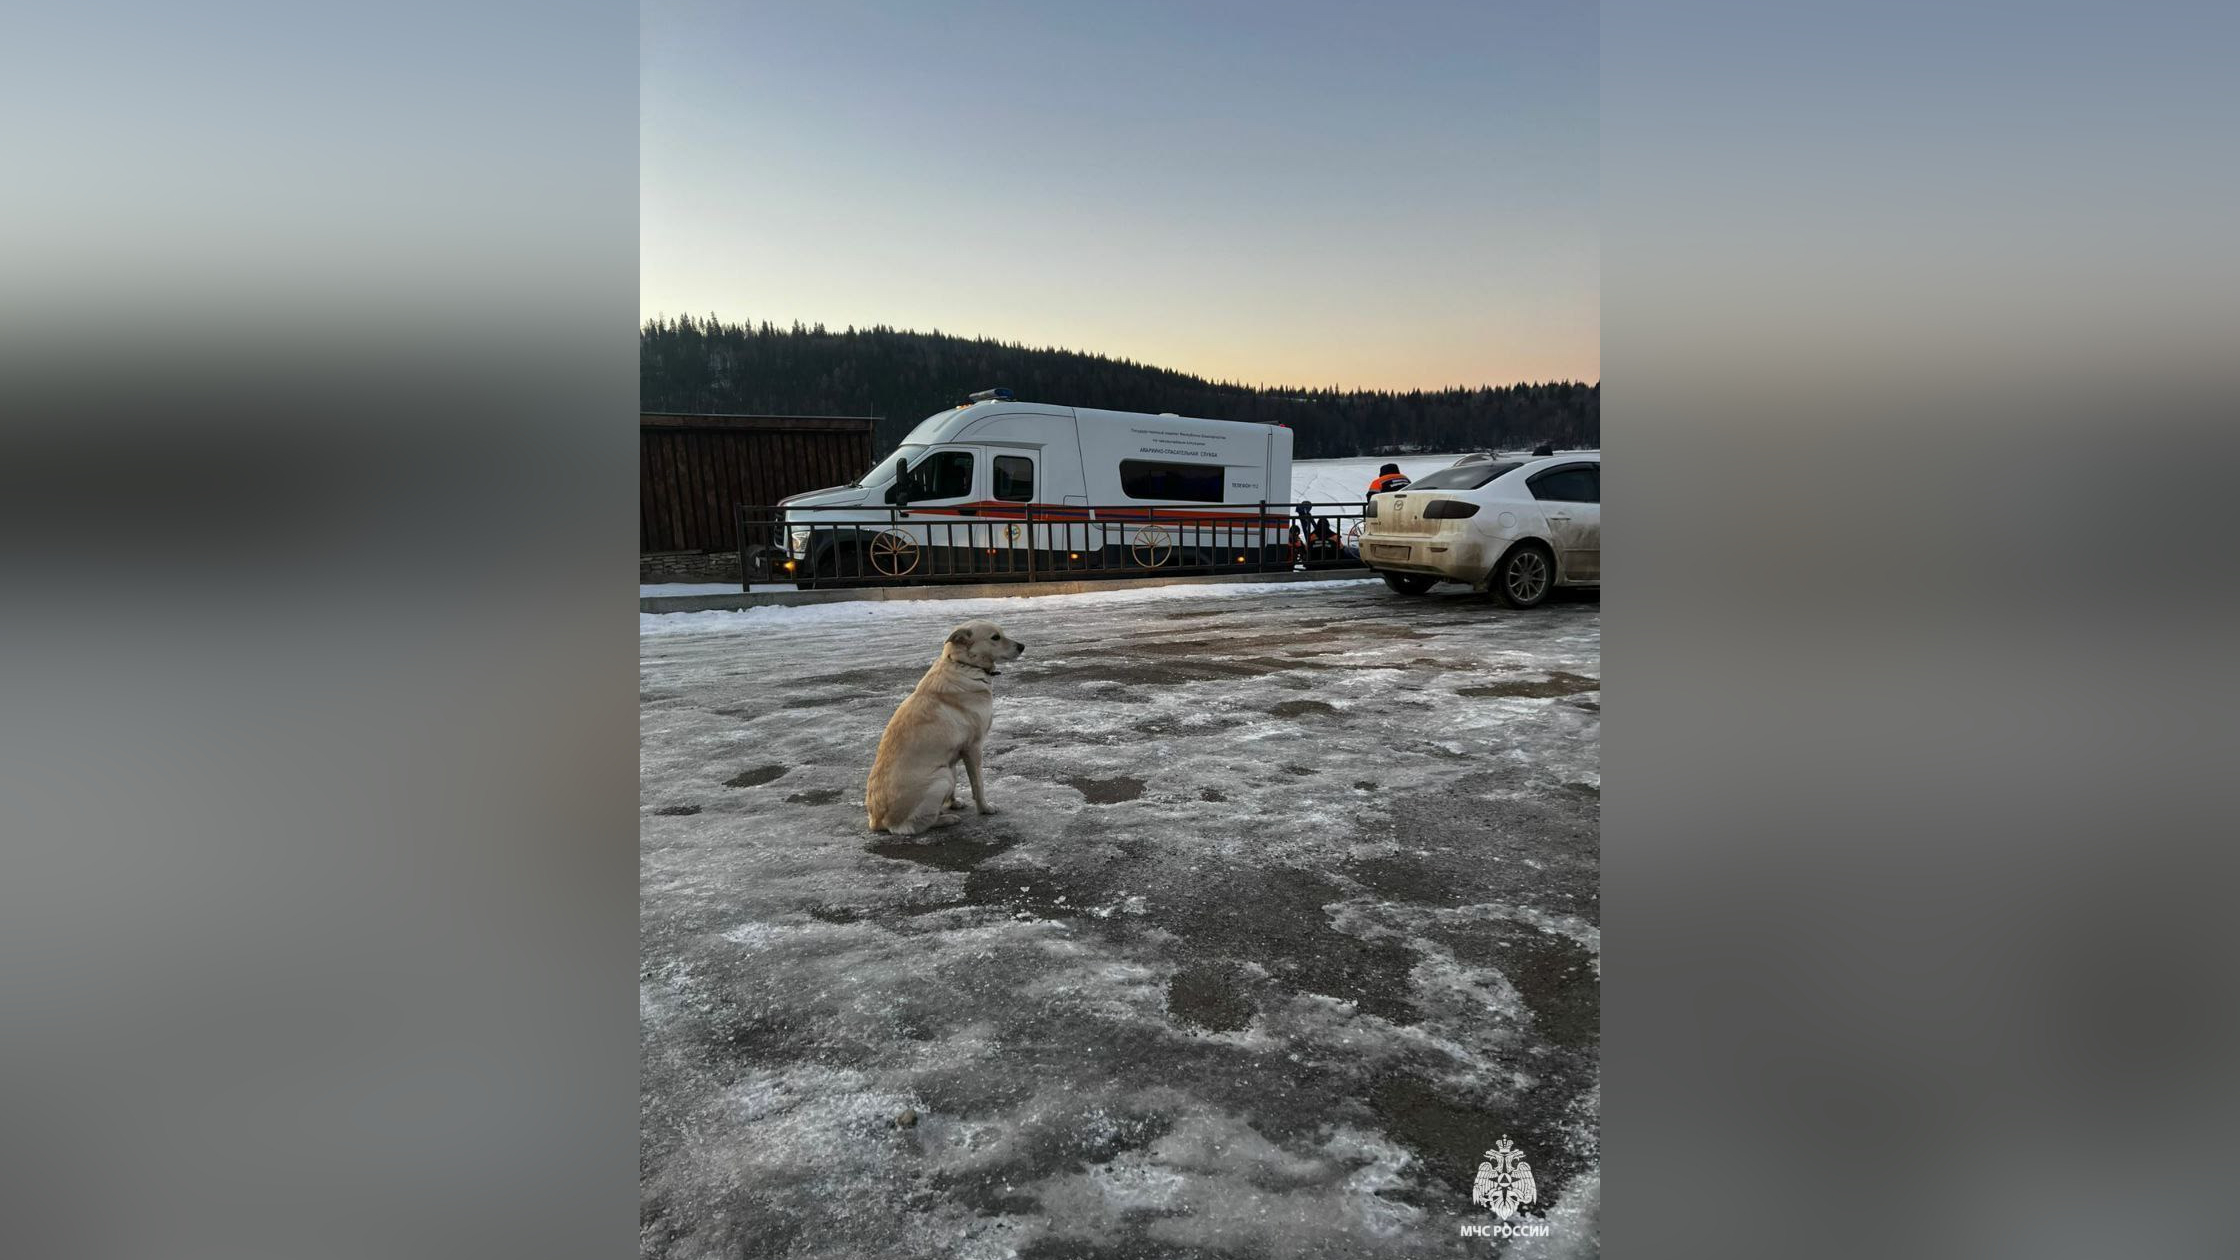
<point>991,395</point>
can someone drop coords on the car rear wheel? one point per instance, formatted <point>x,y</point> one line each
<point>1407,583</point>
<point>1524,577</point>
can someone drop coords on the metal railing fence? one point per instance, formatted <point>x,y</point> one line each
<point>863,545</point>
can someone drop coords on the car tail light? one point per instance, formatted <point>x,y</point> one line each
<point>1449,510</point>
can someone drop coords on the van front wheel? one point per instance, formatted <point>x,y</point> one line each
<point>1406,583</point>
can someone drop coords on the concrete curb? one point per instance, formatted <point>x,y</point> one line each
<point>978,590</point>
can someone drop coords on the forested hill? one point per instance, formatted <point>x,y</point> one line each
<point>706,366</point>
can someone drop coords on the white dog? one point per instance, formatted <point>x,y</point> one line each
<point>914,778</point>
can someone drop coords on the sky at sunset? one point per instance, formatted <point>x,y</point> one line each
<point>1394,195</point>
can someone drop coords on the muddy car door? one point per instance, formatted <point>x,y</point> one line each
<point>1570,498</point>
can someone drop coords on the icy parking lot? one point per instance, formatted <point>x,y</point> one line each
<point>1290,913</point>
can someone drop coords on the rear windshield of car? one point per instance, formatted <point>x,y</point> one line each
<point>1463,477</point>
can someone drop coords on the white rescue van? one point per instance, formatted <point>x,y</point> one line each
<point>996,483</point>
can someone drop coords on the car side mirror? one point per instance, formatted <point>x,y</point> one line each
<point>899,493</point>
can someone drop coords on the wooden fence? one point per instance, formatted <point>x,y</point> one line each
<point>695,472</point>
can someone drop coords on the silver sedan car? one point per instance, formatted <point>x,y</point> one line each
<point>1516,527</point>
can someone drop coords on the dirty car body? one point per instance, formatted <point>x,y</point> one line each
<point>1482,522</point>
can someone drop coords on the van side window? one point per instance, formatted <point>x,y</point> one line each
<point>1188,483</point>
<point>1015,478</point>
<point>943,475</point>
<point>1568,485</point>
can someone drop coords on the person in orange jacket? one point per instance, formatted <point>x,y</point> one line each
<point>1388,477</point>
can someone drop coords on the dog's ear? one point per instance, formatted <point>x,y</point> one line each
<point>960,637</point>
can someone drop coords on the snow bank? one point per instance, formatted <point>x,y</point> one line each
<point>705,588</point>
<point>956,610</point>
<point>1346,480</point>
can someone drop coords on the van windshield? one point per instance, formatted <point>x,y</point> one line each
<point>883,472</point>
<point>913,445</point>
<point>923,434</point>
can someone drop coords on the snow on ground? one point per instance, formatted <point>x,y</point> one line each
<point>1347,480</point>
<point>708,588</point>
<point>852,612</point>
<point>1290,913</point>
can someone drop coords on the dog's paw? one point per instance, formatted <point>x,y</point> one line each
<point>990,809</point>
<point>945,820</point>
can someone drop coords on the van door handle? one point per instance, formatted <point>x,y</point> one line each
<point>1559,516</point>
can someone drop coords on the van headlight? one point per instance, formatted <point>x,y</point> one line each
<point>797,541</point>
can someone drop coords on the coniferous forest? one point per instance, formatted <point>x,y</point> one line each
<point>707,366</point>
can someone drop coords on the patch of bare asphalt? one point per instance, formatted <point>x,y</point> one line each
<point>1224,915</point>
<point>1385,630</point>
<point>1125,666</point>
<point>1214,996</point>
<point>1539,852</point>
<point>1107,791</point>
<point>1209,647</point>
<point>1542,849</point>
<point>1273,915</point>
<point>893,917</point>
<point>1121,669</point>
<point>1449,1134</point>
<point>1303,708</point>
<point>952,851</point>
<point>1274,665</point>
<point>1553,974</point>
<point>1168,724</point>
<point>677,811</point>
<point>814,796</point>
<point>756,777</point>
<point>1168,664</point>
<point>1029,891</point>
<point>868,679</point>
<point>1556,684</point>
<point>819,702</point>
